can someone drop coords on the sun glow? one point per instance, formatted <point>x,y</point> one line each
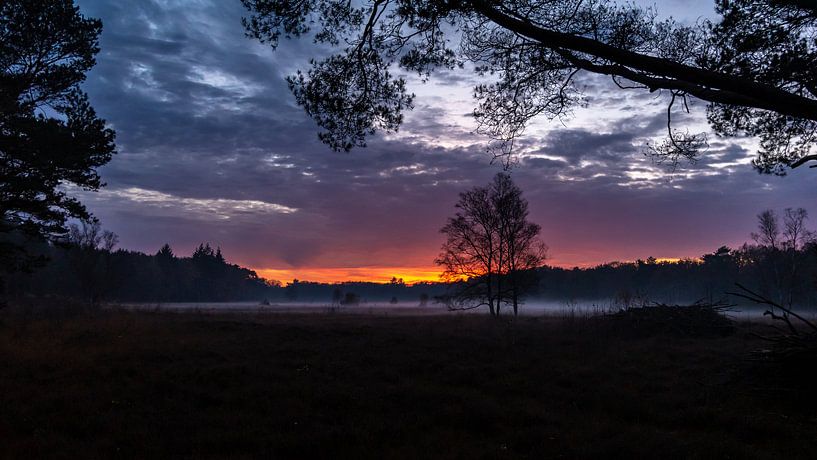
<point>410,275</point>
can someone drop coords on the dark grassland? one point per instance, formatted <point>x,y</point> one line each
<point>139,384</point>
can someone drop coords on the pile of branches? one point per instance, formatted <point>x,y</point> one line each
<point>795,337</point>
<point>699,319</point>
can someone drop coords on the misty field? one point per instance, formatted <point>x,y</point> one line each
<point>142,384</point>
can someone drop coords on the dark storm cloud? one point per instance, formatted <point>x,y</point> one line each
<point>213,148</point>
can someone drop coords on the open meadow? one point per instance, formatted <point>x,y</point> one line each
<point>145,384</point>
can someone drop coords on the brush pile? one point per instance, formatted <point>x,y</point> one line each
<point>696,320</point>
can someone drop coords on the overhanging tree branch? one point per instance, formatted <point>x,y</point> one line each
<point>755,67</point>
<point>705,84</point>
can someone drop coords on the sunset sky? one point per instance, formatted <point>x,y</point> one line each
<point>212,148</point>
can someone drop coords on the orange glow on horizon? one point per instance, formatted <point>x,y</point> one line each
<point>410,275</point>
<point>592,264</point>
<point>670,260</point>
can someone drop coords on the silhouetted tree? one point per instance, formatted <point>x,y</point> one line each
<point>490,247</point>
<point>166,253</point>
<point>337,295</point>
<point>50,136</point>
<point>521,250</point>
<point>778,258</point>
<point>754,67</point>
<point>768,229</point>
<point>795,232</point>
<point>167,262</point>
<point>469,254</point>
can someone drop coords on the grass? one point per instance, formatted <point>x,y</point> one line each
<point>141,384</point>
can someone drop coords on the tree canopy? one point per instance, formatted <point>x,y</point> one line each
<point>50,137</point>
<point>754,67</point>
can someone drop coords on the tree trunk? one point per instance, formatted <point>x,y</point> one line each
<point>515,303</point>
<point>490,297</point>
<point>514,291</point>
<point>498,290</point>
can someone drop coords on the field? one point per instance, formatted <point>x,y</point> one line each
<point>142,384</point>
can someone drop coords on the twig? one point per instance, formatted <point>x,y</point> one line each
<point>759,299</point>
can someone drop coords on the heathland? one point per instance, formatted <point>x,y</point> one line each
<point>115,383</point>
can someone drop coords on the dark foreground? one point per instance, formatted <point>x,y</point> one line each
<point>205,386</point>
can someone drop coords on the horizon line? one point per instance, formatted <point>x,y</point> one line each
<point>410,275</point>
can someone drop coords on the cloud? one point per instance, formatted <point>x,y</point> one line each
<point>219,208</point>
<point>213,148</point>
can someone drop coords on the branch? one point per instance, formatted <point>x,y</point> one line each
<point>804,159</point>
<point>705,84</point>
<point>757,298</point>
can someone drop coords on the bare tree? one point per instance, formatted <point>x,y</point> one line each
<point>768,230</point>
<point>521,251</point>
<point>779,253</point>
<point>794,229</point>
<point>469,254</point>
<point>491,248</point>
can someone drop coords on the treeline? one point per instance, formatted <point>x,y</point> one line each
<point>788,276</point>
<point>99,274</point>
<point>102,275</point>
<point>781,264</point>
<point>86,266</point>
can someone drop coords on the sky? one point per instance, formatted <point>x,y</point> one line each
<point>212,148</point>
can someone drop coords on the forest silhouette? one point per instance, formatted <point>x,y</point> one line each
<point>782,264</point>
